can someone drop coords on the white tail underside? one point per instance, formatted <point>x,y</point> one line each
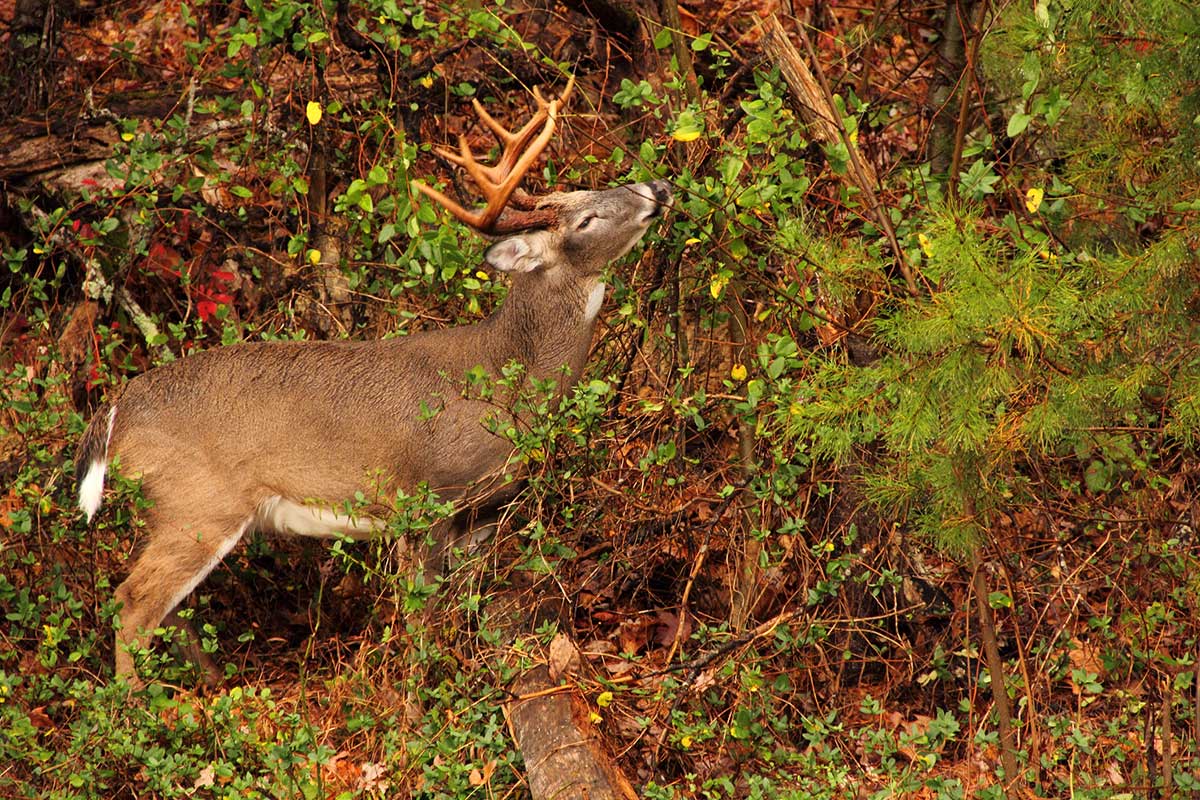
<point>91,489</point>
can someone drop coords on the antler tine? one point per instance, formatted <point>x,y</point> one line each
<point>498,182</point>
<point>469,217</point>
<point>502,133</point>
<point>563,96</point>
<point>515,143</point>
<point>516,173</point>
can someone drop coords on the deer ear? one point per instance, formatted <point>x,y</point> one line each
<point>515,254</point>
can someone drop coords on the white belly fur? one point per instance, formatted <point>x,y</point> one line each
<point>285,516</point>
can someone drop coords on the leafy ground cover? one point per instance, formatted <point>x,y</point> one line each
<point>881,482</point>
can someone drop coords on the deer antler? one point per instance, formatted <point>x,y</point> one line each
<point>497,183</point>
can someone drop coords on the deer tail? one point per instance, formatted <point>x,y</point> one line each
<point>91,460</point>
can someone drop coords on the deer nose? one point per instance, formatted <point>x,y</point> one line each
<point>661,191</point>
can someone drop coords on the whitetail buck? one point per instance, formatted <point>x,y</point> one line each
<point>280,436</point>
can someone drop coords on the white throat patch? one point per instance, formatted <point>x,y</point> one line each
<point>594,301</point>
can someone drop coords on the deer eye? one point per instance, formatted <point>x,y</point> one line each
<point>583,223</point>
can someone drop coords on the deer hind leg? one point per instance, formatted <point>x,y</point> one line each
<point>179,554</point>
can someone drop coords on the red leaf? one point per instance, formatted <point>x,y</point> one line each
<point>206,308</point>
<point>163,260</point>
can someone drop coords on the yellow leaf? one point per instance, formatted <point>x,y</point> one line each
<point>604,699</point>
<point>595,718</point>
<point>426,80</point>
<point>685,742</point>
<point>126,137</point>
<point>692,240</point>
<point>313,112</point>
<point>926,247</point>
<point>853,137</point>
<point>1033,199</point>
<point>483,276</point>
<point>718,285</point>
<point>738,372</point>
<point>686,134</point>
<point>314,257</point>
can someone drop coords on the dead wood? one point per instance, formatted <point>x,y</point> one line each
<point>31,153</point>
<point>564,755</point>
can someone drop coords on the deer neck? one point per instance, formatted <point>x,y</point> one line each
<point>546,324</point>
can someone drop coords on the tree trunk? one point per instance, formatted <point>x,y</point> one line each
<point>30,54</point>
<point>747,575</point>
<point>814,99</point>
<point>952,58</point>
<point>995,668</point>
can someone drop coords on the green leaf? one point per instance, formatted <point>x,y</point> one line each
<point>1041,11</point>
<point>731,167</point>
<point>1017,123</point>
<point>979,180</point>
<point>647,153</point>
<point>1097,477</point>
<point>662,39</point>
